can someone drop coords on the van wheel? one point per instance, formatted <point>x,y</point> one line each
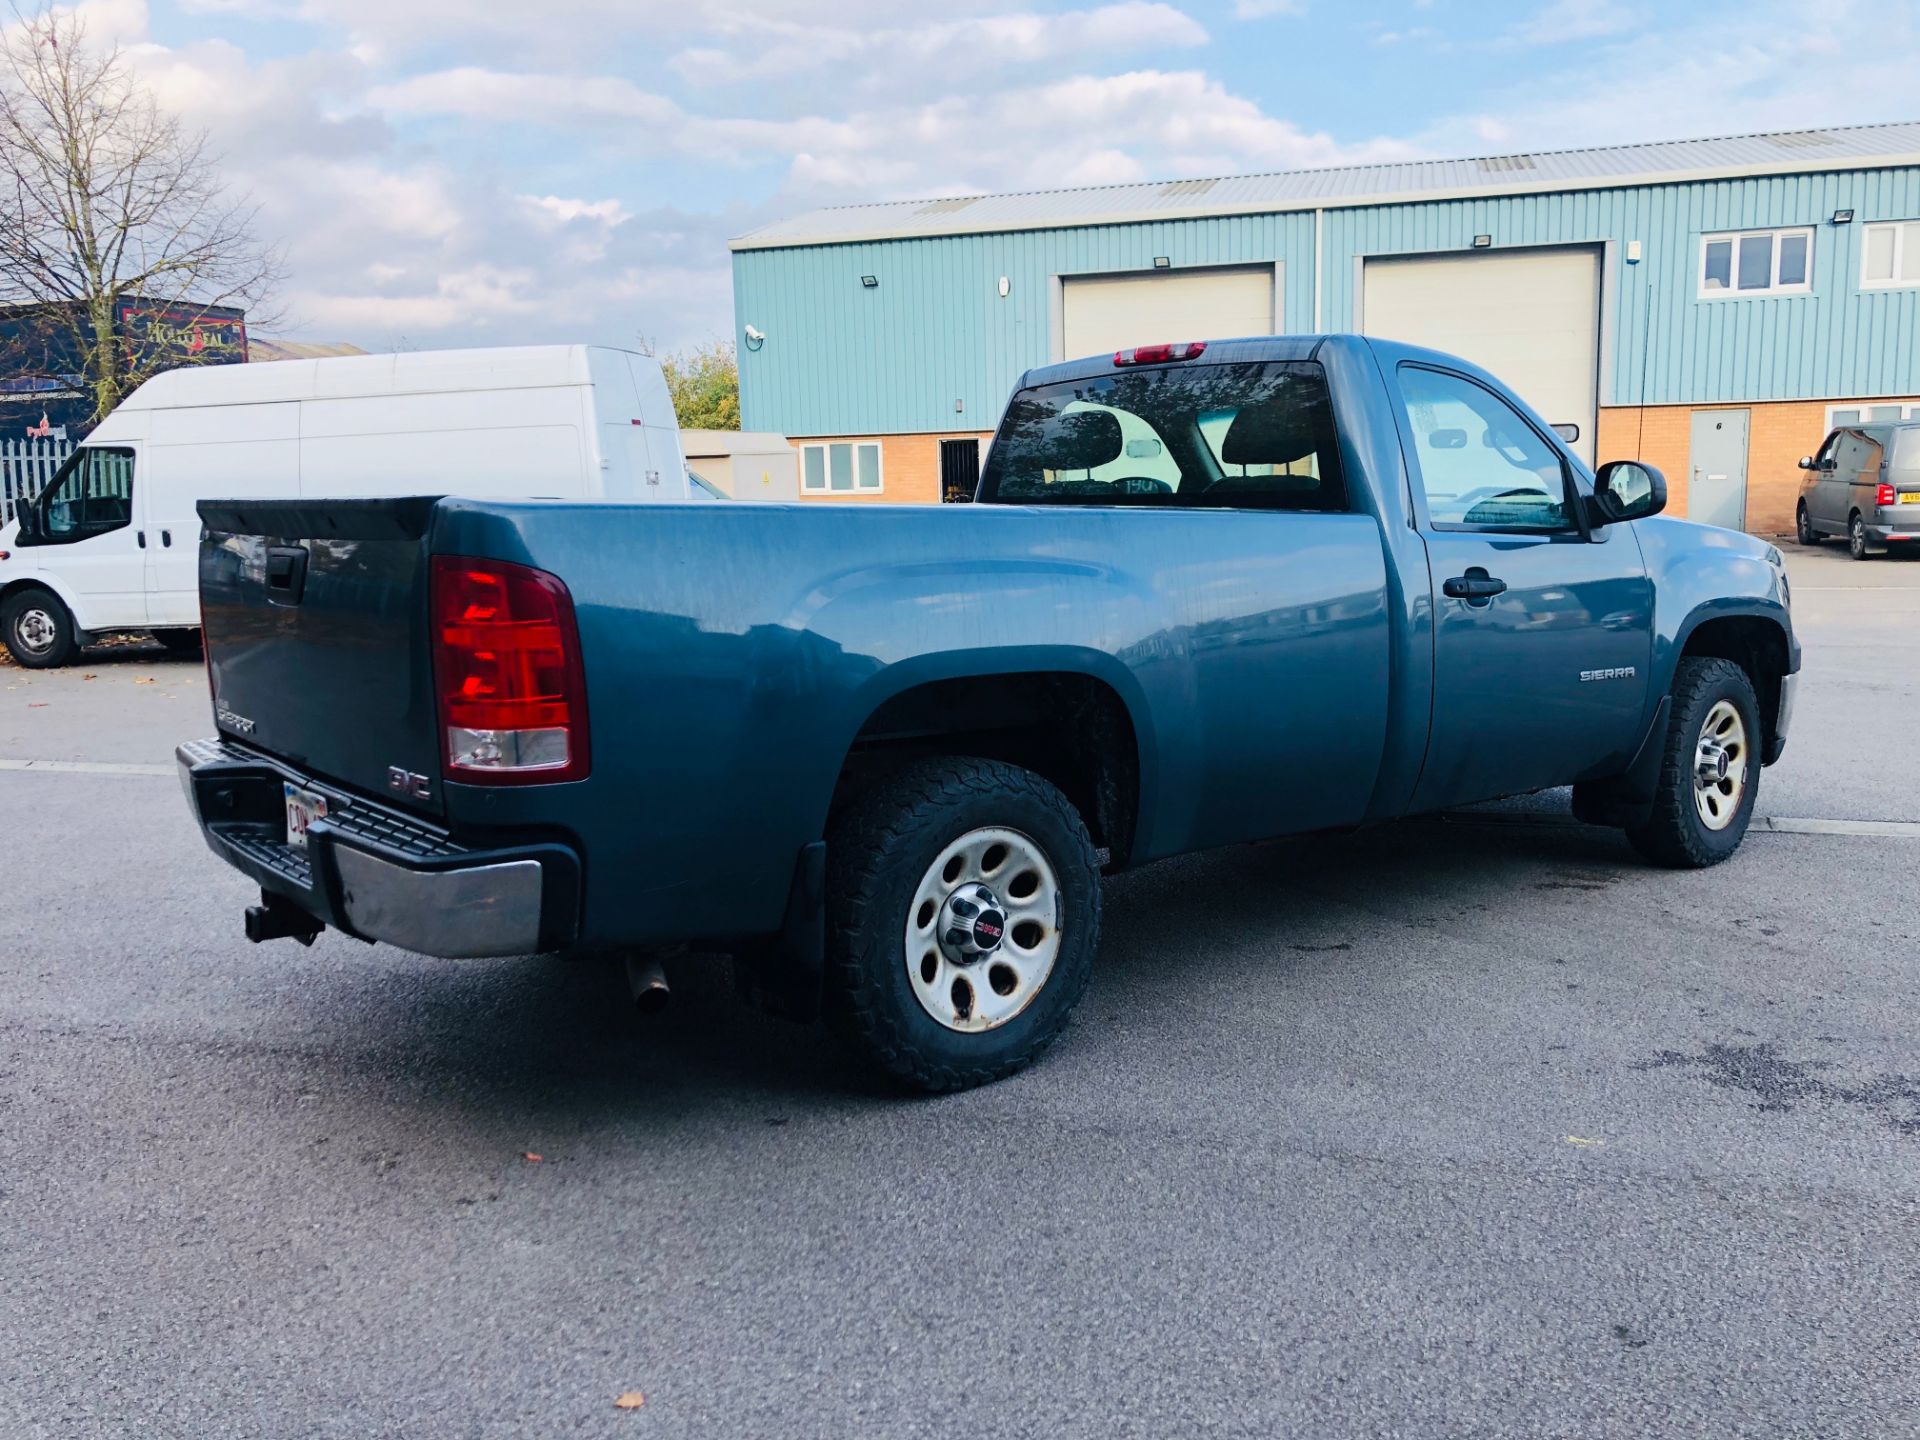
<point>38,630</point>
<point>1803,527</point>
<point>963,909</point>
<point>1857,537</point>
<point>179,642</point>
<point>1710,771</point>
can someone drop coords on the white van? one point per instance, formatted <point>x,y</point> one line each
<point>112,542</point>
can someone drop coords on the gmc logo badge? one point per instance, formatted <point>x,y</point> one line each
<point>409,784</point>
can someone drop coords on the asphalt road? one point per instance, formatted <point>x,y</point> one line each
<point>1465,1127</point>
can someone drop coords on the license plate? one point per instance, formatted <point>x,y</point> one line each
<point>1910,497</point>
<point>303,808</point>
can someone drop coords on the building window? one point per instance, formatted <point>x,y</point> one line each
<point>841,467</point>
<point>1891,255</point>
<point>1871,412</point>
<point>1756,262</point>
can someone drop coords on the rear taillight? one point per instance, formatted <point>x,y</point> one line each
<point>1159,354</point>
<point>506,664</point>
<point>1885,496</point>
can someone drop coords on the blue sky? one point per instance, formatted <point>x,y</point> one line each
<point>492,171</point>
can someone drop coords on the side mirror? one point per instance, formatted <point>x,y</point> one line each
<point>1567,431</point>
<point>1806,462</point>
<point>1626,490</point>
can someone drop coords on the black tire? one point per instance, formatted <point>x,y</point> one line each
<point>1803,527</point>
<point>183,643</point>
<point>879,850</point>
<point>1676,835</point>
<point>38,630</point>
<point>1857,537</point>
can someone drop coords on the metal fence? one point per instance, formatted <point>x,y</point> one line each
<point>25,466</point>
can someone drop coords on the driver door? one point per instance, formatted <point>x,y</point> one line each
<point>1542,632</point>
<point>87,534</point>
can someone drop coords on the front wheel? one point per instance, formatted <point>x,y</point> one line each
<point>38,630</point>
<point>184,643</point>
<point>1710,772</point>
<point>964,911</point>
<point>1803,527</point>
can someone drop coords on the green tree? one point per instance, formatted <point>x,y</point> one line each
<point>705,384</point>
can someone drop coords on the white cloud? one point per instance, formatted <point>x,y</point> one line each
<point>1260,9</point>
<point>565,211</point>
<point>1567,20</point>
<point>901,55</point>
<point>1698,79</point>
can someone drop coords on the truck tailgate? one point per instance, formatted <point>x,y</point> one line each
<point>317,639</point>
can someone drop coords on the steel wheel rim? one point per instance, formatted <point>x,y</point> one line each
<point>35,630</point>
<point>1720,761</point>
<point>973,981</point>
<point>1857,536</point>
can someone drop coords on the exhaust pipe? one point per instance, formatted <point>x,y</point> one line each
<point>648,982</point>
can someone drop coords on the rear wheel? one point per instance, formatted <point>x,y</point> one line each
<point>38,629</point>
<point>1803,527</point>
<point>1857,537</point>
<point>964,911</point>
<point>1710,772</point>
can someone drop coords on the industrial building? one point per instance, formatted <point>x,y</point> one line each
<point>1709,306</point>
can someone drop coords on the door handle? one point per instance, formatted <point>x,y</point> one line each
<point>140,538</point>
<point>166,538</point>
<point>1476,587</point>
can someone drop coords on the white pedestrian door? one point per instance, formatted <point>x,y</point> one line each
<point>1717,465</point>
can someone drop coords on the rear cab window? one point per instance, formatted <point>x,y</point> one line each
<point>1245,435</point>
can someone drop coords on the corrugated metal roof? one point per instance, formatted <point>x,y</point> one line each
<point>1859,146</point>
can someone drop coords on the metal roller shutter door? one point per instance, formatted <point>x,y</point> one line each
<point>1532,318</point>
<point>1114,312</point>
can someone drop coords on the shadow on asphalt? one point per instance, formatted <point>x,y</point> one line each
<point>556,1042</point>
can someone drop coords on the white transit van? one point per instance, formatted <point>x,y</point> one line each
<point>112,542</point>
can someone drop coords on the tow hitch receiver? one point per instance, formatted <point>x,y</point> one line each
<point>277,918</point>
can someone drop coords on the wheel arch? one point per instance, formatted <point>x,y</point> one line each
<point>1758,642</point>
<point>40,580</point>
<point>1076,719</point>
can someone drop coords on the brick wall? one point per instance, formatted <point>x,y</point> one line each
<point>909,467</point>
<point>1778,434</point>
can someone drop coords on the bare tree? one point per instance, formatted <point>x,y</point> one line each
<point>109,205</point>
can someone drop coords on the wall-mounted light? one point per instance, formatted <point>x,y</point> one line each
<point>1843,217</point>
<point>1633,252</point>
<point>870,281</point>
<point>1004,287</point>
<point>1481,242</point>
<point>959,407</point>
<point>1162,262</point>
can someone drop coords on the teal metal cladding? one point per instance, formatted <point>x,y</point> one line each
<point>840,358</point>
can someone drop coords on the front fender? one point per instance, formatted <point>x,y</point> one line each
<point>16,576</point>
<point>1701,573</point>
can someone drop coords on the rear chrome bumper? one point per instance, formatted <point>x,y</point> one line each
<point>379,873</point>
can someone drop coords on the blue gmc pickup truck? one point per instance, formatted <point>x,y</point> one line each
<point>1207,593</point>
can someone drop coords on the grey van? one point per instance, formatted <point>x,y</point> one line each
<point>1864,484</point>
